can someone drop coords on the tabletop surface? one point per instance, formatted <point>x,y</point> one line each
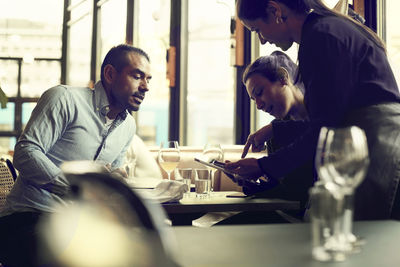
<point>280,245</point>
<point>220,202</point>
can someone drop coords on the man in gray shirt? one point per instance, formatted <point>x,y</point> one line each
<point>71,123</point>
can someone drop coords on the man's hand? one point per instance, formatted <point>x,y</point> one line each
<point>60,187</point>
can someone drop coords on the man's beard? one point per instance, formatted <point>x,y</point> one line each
<point>128,107</point>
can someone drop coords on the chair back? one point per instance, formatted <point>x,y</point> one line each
<point>12,169</point>
<point>6,183</point>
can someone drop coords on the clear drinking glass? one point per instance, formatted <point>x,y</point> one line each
<point>169,156</point>
<point>212,152</point>
<point>185,175</point>
<point>202,181</point>
<point>342,158</point>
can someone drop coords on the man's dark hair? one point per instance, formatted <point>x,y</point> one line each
<point>117,57</point>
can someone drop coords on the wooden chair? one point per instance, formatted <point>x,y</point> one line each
<point>6,182</point>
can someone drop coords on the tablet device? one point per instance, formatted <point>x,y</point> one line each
<point>237,195</point>
<point>221,166</point>
<point>214,164</point>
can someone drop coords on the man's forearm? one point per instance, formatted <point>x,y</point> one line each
<point>34,165</point>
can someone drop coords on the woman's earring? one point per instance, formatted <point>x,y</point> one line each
<point>277,20</point>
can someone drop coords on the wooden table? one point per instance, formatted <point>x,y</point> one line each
<point>187,209</point>
<point>280,245</point>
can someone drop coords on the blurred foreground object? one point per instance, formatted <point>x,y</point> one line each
<point>107,224</point>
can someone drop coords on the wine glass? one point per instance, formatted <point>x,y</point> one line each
<point>169,156</point>
<point>212,152</point>
<point>342,158</point>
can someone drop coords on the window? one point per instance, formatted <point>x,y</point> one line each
<point>210,75</point>
<point>38,76</point>
<point>393,36</point>
<point>79,43</point>
<point>7,117</point>
<point>30,57</point>
<point>152,35</point>
<point>112,28</point>
<point>9,74</point>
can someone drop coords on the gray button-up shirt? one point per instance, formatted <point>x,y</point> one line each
<point>67,124</point>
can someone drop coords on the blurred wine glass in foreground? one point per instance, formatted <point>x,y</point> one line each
<point>169,156</point>
<point>342,158</point>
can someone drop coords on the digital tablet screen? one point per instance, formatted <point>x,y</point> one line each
<point>214,164</point>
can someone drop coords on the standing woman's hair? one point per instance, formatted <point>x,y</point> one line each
<point>255,9</point>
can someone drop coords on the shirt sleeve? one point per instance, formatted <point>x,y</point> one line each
<point>45,126</point>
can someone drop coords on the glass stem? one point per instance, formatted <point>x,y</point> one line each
<point>348,214</point>
<point>212,181</point>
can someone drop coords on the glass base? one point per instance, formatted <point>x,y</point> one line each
<point>325,255</point>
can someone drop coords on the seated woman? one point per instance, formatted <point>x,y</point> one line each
<point>269,82</point>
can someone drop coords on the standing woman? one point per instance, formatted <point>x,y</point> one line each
<point>348,81</point>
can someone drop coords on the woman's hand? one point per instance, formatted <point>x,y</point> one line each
<point>257,140</point>
<point>247,168</point>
